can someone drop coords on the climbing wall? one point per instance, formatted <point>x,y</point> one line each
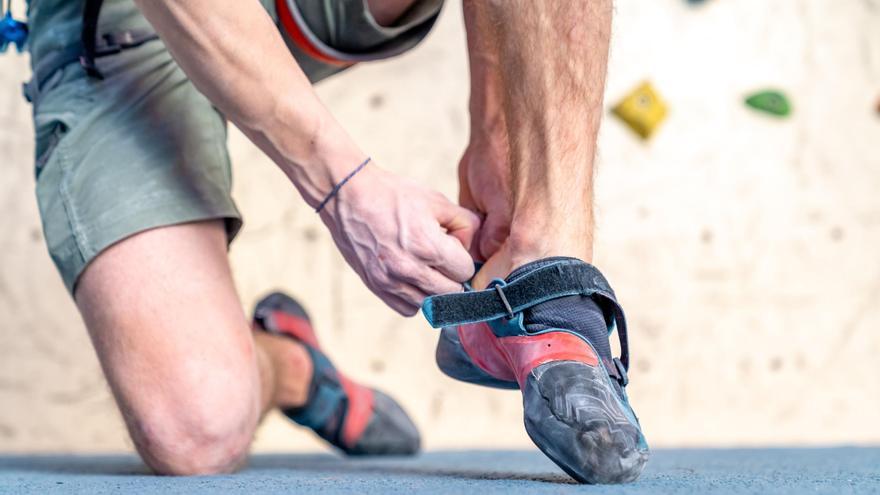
<point>742,243</point>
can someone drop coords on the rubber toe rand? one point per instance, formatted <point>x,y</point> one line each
<point>574,416</point>
<point>389,432</point>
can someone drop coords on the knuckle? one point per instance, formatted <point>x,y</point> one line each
<point>404,269</point>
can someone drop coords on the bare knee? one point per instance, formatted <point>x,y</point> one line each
<point>175,346</point>
<point>199,421</point>
<point>200,438</point>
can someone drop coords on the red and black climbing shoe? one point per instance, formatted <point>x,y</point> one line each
<point>544,330</point>
<point>356,419</point>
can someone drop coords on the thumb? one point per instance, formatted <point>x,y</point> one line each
<point>497,266</point>
<point>493,232</point>
<point>465,197</point>
<point>458,222</point>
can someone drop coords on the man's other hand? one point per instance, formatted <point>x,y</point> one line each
<point>484,187</point>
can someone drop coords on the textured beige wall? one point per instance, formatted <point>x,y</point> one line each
<point>745,249</point>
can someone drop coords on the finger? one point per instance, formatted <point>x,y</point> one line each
<point>452,260</point>
<point>430,281</point>
<point>476,241</point>
<point>493,232</point>
<point>402,306</point>
<point>475,252</point>
<point>408,290</point>
<point>465,198</point>
<point>458,221</point>
<point>498,266</point>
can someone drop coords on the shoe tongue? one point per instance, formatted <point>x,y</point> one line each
<point>579,314</point>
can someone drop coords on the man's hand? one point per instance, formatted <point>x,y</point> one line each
<point>484,187</point>
<point>484,170</point>
<point>405,241</point>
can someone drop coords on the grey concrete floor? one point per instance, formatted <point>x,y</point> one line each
<point>765,471</point>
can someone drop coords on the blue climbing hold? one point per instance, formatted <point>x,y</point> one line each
<point>12,32</point>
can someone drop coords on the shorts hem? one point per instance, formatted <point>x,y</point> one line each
<point>137,223</point>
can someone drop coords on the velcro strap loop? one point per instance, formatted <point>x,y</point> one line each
<point>560,279</point>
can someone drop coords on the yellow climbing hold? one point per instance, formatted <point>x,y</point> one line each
<point>642,110</point>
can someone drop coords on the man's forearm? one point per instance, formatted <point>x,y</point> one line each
<point>232,51</point>
<point>553,62</point>
<point>405,241</point>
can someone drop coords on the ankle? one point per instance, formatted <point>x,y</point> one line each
<point>520,249</point>
<point>292,367</point>
<point>295,375</point>
<point>532,244</point>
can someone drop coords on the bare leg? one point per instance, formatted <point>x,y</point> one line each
<point>540,69</point>
<point>285,371</point>
<point>553,74</point>
<point>178,352</point>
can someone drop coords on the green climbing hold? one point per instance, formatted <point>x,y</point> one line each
<point>770,101</point>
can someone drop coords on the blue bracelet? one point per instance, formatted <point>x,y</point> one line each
<point>336,188</point>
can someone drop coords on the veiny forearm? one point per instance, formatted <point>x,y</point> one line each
<point>405,241</point>
<point>553,62</point>
<point>233,53</point>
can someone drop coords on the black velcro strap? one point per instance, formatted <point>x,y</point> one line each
<point>563,278</point>
<point>559,279</point>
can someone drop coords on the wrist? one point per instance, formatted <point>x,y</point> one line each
<point>316,153</point>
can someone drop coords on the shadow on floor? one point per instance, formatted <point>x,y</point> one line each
<point>129,465</point>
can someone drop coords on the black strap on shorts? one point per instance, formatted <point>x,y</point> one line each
<point>94,46</point>
<point>560,279</point>
<point>89,38</point>
<point>91,47</point>
<point>109,44</point>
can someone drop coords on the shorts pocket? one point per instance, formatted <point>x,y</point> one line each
<point>61,104</point>
<point>47,144</point>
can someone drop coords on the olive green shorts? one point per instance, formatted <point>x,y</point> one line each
<point>142,148</point>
